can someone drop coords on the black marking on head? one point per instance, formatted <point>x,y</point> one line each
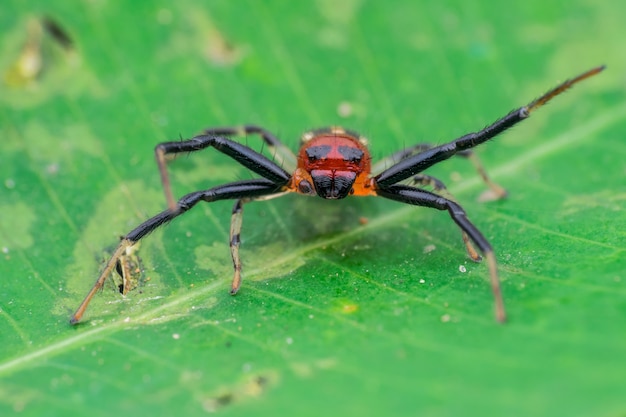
<point>351,154</point>
<point>318,152</point>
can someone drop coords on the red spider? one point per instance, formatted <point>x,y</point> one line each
<point>332,163</point>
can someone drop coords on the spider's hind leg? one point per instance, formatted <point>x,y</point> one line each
<point>424,180</point>
<point>496,192</point>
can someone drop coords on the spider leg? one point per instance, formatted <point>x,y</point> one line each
<point>245,156</point>
<point>497,190</point>
<point>398,156</point>
<point>236,222</point>
<point>236,190</point>
<point>424,180</point>
<point>284,156</point>
<point>410,195</point>
<point>440,188</point>
<point>418,163</point>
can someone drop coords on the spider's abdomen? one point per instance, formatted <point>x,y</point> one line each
<point>331,163</point>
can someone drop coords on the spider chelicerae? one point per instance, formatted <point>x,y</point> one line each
<point>332,163</point>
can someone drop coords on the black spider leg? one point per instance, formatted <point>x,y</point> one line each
<point>248,189</point>
<point>418,197</point>
<point>440,189</point>
<point>497,191</point>
<point>245,156</point>
<point>284,156</point>
<point>418,163</point>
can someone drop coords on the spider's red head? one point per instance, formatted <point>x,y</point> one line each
<point>331,163</point>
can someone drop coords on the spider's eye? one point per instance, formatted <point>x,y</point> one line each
<point>305,187</point>
<point>317,152</point>
<point>351,154</point>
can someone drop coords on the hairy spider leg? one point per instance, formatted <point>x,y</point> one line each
<point>247,157</point>
<point>565,85</point>
<point>248,189</point>
<point>282,154</point>
<point>418,197</point>
<point>418,163</point>
<point>440,188</point>
<point>498,191</point>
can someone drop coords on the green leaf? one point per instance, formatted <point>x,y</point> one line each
<point>352,307</point>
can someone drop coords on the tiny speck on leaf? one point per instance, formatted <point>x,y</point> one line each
<point>429,248</point>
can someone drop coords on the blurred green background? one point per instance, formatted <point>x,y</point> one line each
<point>356,307</point>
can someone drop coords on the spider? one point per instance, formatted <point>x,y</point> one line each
<point>332,163</point>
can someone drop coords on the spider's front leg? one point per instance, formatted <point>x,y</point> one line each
<point>417,163</point>
<point>247,157</point>
<point>282,155</point>
<point>497,191</point>
<point>249,189</point>
<point>418,197</point>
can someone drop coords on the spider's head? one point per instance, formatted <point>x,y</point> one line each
<point>330,161</point>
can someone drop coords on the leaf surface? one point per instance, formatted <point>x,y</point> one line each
<point>354,307</point>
